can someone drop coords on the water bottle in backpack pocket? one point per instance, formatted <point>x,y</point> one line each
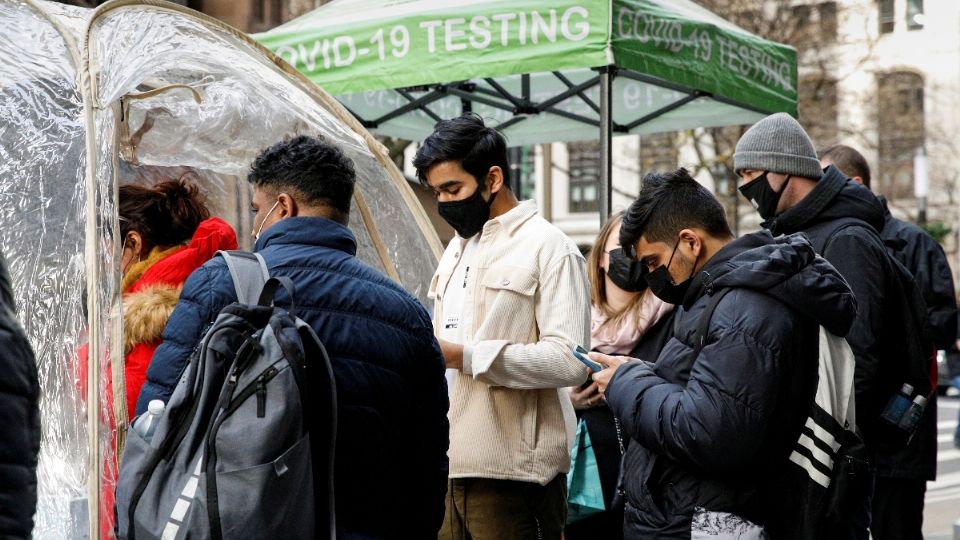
<point>146,424</point>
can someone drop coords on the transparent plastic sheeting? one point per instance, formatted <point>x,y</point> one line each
<point>42,205</point>
<point>246,104</point>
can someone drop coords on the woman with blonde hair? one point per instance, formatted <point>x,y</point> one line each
<point>623,310</point>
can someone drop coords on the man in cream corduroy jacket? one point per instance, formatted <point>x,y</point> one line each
<point>511,301</point>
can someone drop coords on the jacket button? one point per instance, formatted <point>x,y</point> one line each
<point>457,254</point>
<point>506,282</point>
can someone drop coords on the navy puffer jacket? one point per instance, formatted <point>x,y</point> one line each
<point>392,434</point>
<point>715,431</point>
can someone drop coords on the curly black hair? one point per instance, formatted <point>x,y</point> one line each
<point>312,167</point>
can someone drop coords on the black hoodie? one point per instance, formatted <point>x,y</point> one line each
<point>859,254</point>
<point>716,431</point>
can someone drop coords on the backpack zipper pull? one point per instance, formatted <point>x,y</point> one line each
<point>261,397</point>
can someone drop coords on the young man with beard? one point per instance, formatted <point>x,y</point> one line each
<point>718,414</point>
<point>782,177</point>
<point>512,300</point>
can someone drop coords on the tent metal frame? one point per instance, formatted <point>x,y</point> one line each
<point>522,107</point>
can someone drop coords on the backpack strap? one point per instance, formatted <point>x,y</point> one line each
<point>249,273</point>
<point>838,226</point>
<point>700,338</point>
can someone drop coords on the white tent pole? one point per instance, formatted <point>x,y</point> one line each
<point>606,110</point>
<point>92,271</point>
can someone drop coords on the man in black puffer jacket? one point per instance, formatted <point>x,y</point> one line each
<point>716,428</point>
<point>19,421</point>
<point>783,178</point>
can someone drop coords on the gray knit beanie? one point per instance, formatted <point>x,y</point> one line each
<point>778,144</point>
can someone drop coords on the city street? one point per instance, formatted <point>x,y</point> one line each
<point>943,496</point>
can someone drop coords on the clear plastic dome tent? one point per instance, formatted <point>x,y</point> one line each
<point>137,92</point>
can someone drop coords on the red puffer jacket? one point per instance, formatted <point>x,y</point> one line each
<point>151,290</point>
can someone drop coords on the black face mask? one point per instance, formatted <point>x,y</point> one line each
<point>762,196</point>
<point>626,273</point>
<point>468,216</point>
<point>662,285</point>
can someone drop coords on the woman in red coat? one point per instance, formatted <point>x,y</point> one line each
<point>167,233</point>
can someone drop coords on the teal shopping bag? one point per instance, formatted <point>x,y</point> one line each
<point>584,493</point>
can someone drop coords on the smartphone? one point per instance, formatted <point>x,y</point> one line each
<point>581,355</point>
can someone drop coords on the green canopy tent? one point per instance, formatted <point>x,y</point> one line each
<point>543,70</point>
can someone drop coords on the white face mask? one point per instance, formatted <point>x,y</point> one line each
<point>256,235</point>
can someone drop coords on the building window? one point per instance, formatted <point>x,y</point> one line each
<point>818,109</point>
<point>887,18</point>
<point>900,123</point>
<point>584,174</point>
<point>266,14</point>
<point>810,22</point>
<point>522,164</point>
<point>915,16</point>
<point>828,20</point>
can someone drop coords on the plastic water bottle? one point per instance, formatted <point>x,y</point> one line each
<point>898,405</point>
<point>147,423</point>
<point>911,420</point>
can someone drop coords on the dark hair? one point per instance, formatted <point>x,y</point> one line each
<point>668,203</point>
<point>314,169</point>
<point>848,161</point>
<point>165,215</point>
<point>468,141</point>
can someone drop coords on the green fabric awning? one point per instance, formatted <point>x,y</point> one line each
<point>536,67</point>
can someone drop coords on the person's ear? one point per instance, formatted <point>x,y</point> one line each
<point>858,180</point>
<point>494,179</point>
<point>691,241</point>
<point>134,241</point>
<point>287,207</point>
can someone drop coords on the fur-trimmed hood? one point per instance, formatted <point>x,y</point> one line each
<point>146,311</point>
<point>151,288</point>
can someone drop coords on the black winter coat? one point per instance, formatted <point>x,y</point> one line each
<point>922,255</point>
<point>19,421</point>
<point>860,255</point>
<point>716,431</point>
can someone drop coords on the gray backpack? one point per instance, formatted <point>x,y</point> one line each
<point>247,431</point>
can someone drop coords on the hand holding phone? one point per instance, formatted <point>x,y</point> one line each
<point>581,354</point>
